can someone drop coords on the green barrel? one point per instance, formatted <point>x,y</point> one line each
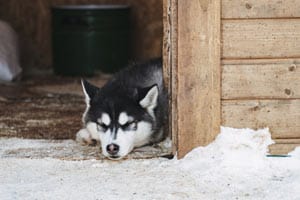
<point>86,38</point>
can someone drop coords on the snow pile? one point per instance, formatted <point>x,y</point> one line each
<point>234,166</point>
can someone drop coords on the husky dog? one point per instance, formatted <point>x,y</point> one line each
<point>129,111</point>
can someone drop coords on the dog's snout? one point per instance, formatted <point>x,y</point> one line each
<point>112,149</point>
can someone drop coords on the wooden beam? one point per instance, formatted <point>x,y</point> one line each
<point>166,43</point>
<point>282,148</point>
<point>261,38</point>
<point>237,9</point>
<point>197,80</point>
<point>173,72</point>
<point>170,64</point>
<point>261,79</point>
<point>281,116</point>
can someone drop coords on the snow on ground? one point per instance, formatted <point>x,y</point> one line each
<point>234,166</point>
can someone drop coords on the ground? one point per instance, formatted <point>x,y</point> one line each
<point>43,107</point>
<point>40,160</point>
<point>234,166</point>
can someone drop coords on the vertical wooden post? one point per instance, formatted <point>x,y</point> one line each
<point>191,54</point>
<point>197,98</point>
<point>170,64</point>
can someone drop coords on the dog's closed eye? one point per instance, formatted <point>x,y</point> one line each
<point>101,126</point>
<point>129,125</point>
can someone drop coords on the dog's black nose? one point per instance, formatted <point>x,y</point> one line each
<point>112,149</point>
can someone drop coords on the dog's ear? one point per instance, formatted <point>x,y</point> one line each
<point>89,90</point>
<point>149,97</point>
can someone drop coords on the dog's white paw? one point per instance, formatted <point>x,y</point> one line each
<point>84,137</point>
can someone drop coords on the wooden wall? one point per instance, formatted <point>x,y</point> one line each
<point>261,67</point>
<point>241,54</point>
<point>31,19</point>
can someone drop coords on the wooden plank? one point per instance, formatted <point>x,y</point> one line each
<point>287,141</point>
<point>170,64</point>
<point>260,61</point>
<point>254,79</point>
<point>281,116</point>
<point>198,74</point>
<point>265,38</point>
<point>282,148</point>
<point>167,54</point>
<point>166,43</point>
<point>260,9</point>
<point>173,72</point>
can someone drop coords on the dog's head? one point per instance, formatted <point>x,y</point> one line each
<point>122,118</point>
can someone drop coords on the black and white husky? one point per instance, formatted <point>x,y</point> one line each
<point>128,111</point>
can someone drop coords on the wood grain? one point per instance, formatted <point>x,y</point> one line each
<point>287,141</point>
<point>261,79</point>
<point>281,116</point>
<point>166,43</point>
<point>170,63</point>
<point>282,148</point>
<point>174,72</point>
<point>198,74</point>
<point>265,38</point>
<point>260,9</point>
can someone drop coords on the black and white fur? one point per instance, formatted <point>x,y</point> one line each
<point>129,111</point>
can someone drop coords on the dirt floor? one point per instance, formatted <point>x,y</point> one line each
<point>43,107</point>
